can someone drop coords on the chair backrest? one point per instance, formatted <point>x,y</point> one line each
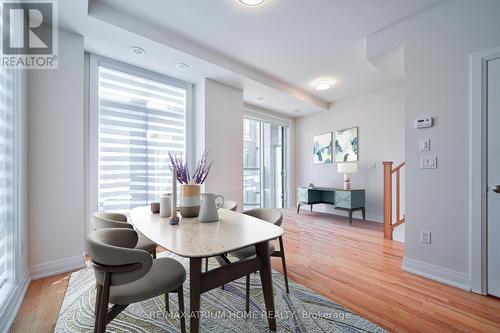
<point>102,220</point>
<point>270,215</point>
<point>231,205</point>
<point>115,248</point>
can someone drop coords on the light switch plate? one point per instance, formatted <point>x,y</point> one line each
<point>425,237</point>
<point>425,144</point>
<point>428,162</point>
<point>424,122</point>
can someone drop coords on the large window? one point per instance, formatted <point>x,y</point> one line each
<point>142,116</point>
<point>264,157</point>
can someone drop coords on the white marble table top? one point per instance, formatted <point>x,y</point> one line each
<point>194,239</point>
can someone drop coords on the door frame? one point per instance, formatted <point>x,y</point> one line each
<point>478,169</point>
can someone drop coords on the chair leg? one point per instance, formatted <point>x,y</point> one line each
<point>247,294</point>
<point>283,262</point>
<point>182,317</point>
<point>103,308</point>
<point>167,305</point>
<point>97,310</point>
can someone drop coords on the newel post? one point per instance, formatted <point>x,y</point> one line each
<point>388,200</point>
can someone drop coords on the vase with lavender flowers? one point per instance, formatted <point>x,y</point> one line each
<point>190,184</point>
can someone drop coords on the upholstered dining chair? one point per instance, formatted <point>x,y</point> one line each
<point>126,275</point>
<point>275,217</point>
<point>228,204</point>
<point>116,220</point>
<point>231,205</point>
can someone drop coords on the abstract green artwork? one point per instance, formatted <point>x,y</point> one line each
<point>346,145</point>
<point>323,148</point>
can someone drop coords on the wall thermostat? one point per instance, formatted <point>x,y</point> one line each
<point>423,122</point>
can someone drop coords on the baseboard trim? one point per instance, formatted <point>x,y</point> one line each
<point>14,303</point>
<point>328,209</point>
<point>437,273</point>
<point>44,270</point>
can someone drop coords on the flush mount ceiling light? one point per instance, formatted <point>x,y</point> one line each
<point>323,84</point>
<point>137,50</point>
<point>252,3</point>
<point>182,66</point>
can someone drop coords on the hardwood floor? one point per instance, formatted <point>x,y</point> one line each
<point>352,265</point>
<point>41,305</point>
<point>356,267</point>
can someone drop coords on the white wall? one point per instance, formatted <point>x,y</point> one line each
<point>219,130</point>
<point>56,161</point>
<point>380,118</point>
<point>437,46</point>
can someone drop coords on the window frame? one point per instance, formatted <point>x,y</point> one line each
<point>16,254</point>
<point>92,121</point>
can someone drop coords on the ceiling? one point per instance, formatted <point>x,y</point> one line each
<point>273,51</point>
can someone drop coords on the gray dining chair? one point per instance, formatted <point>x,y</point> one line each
<point>275,217</point>
<point>102,220</point>
<point>126,275</point>
<point>231,205</point>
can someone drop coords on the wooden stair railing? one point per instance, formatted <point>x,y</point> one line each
<point>388,172</point>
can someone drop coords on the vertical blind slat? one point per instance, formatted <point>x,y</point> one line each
<point>6,173</point>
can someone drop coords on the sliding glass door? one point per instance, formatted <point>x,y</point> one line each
<point>263,164</point>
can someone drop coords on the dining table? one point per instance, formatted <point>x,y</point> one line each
<point>196,240</point>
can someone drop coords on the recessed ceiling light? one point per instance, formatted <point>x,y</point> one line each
<point>182,66</point>
<point>137,50</point>
<point>252,3</point>
<point>323,84</point>
<point>296,111</point>
<point>260,98</point>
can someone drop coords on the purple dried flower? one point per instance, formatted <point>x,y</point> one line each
<point>183,176</point>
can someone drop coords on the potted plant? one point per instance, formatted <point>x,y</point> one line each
<point>190,185</point>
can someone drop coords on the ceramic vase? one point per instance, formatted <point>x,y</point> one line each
<point>190,200</point>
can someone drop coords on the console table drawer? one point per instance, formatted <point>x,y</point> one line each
<point>307,195</point>
<point>349,199</point>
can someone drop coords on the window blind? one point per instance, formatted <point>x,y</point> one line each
<point>6,173</point>
<point>140,120</point>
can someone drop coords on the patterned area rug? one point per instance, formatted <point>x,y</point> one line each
<point>222,310</point>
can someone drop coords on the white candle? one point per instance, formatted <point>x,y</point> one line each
<point>174,192</point>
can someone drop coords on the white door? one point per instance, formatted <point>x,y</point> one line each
<point>494,177</point>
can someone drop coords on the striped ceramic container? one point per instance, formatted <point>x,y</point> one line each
<point>190,200</point>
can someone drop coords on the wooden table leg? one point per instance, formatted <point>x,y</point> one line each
<point>266,279</point>
<point>195,293</point>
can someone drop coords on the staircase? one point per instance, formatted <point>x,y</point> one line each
<point>389,173</point>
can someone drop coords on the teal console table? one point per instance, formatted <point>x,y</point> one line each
<point>346,200</point>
